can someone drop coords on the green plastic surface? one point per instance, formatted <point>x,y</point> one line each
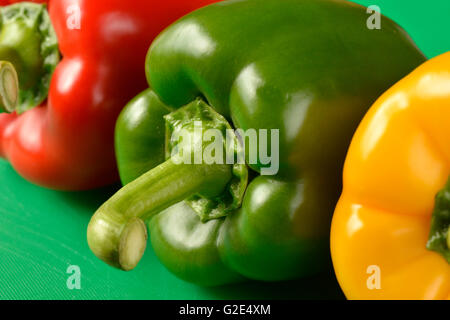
<point>43,232</point>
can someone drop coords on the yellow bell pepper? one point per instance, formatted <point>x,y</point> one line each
<point>397,163</point>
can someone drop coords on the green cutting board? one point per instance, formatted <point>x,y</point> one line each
<point>43,232</point>
<point>428,22</point>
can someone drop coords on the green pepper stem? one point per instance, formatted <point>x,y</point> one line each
<point>117,233</point>
<point>9,87</point>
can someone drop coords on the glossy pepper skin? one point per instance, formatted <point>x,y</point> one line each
<point>308,68</point>
<point>398,161</point>
<point>67,143</point>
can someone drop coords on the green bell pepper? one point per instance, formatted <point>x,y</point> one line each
<point>308,68</point>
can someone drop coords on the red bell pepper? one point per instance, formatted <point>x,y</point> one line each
<point>67,142</point>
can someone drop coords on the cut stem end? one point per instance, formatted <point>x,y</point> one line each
<point>9,87</point>
<point>132,244</point>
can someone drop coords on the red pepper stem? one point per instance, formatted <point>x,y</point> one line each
<point>117,233</point>
<point>9,87</point>
<point>29,42</point>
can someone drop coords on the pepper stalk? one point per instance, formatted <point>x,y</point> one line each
<point>28,41</point>
<point>117,233</point>
<point>439,238</point>
<point>9,87</point>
